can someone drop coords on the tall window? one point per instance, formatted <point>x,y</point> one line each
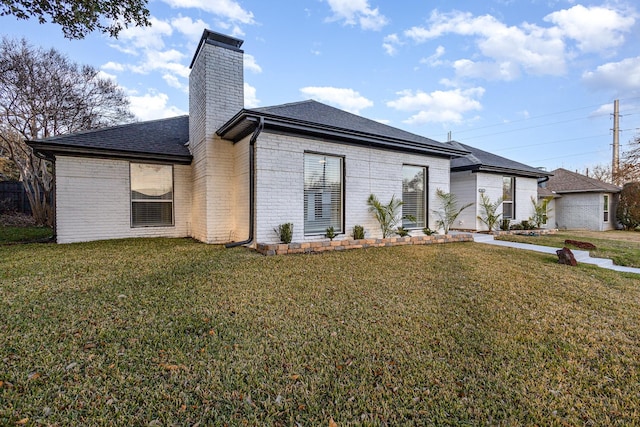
<point>414,184</point>
<point>323,183</point>
<point>508,197</point>
<point>151,195</point>
<point>606,208</point>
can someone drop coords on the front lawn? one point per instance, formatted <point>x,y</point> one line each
<point>174,332</point>
<point>623,247</point>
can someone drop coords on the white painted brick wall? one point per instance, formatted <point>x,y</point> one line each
<point>583,211</point>
<point>216,93</point>
<point>463,185</point>
<point>93,201</point>
<point>280,187</point>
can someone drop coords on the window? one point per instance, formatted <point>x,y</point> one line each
<point>508,197</point>
<point>151,195</point>
<point>414,184</point>
<point>323,189</point>
<point>606,208</point>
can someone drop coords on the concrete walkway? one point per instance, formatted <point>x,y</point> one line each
<point>581,256</point>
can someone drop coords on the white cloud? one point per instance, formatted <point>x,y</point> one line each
<point>533,49</point>
<point>622,76</point>
<point>153,106</point>
<point>190,28</point>
<point>113,66</point>
<point>434,60</point>
<point>251,64</point>
<point>148,38</point>
<point>357,12</point>
<point>173,81</point>
<point>438,106</point>
<point>226,9</point>
<point>346,99</point>
<point>390,44</point>
<point>595,29</point>
<point>250,99</point>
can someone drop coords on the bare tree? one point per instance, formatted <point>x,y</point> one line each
<point>630,163</point>
<point>42,94</point>
<point>599,172</point>
<point>80,17</point>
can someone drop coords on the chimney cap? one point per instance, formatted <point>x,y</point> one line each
<point>222,40</point>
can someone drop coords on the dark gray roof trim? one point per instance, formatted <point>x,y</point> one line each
<point>157,140</point>
<point>313,118</point>
<point>217,39</point>
<point>483,161</point>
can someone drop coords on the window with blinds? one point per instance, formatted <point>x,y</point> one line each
<point>414,185</point>
<point>508,197</point>
<point>151,195</point>
<point>323,193</point>
<point>606,208</point>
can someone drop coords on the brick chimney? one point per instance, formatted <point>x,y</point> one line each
<point>216,94</point>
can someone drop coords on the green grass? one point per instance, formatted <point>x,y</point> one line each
<point>173,332</point>
<point>623,247</point>
<point>23,234</point>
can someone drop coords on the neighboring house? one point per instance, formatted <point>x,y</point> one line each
<point>481,172</point>
<point>580,202</point>
<point>229,174</point>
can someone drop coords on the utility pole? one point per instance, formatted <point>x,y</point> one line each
<point>615,163</point>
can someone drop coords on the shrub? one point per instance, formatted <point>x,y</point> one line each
<point>428,231</point>
<point>285,232</point>
<point>448,211</point>
<point>490,217</point>
<point>505,224</point>
<point>358,232</point>
<point>388,215</point>
<point>541,211</point>
<point>331,233</point>
<point>402,232</point>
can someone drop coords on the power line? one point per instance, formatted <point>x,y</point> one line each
<point>551,142</point>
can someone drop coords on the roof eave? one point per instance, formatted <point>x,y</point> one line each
<point>51,151</point>
<point>507,171</point>
<point>307,128</point>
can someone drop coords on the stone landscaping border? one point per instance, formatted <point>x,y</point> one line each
<point>539,232</point>
<point>340,245</point>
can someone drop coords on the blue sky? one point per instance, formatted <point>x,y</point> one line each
<point>533,81</point>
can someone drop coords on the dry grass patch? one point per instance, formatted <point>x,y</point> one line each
<point>623,247</point>
<point>173,332</point>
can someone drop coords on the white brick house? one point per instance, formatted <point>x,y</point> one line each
<point>481,172</point>
<point>580,202</point>
<point>228,174</point>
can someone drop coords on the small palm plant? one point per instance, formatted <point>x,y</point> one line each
<point>448,211</point>
<point>540,211</point>
<point>388,215</point>
<point>490,218</point>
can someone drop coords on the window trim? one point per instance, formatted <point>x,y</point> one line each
<point>511,202</point>
<point>606,207</point>
<point>343,180</point>
<point>425,177</point>
<point>172,201</point>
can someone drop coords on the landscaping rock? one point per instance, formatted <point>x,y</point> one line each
<point>581,245</point>
<point>565,256</point>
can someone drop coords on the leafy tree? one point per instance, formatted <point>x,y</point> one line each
<point>80,17</point>
<point>628,212</point>
<point>490,218</point>
<point>448,211</point>
<point>540,211</point>
<point>42,94</point>
<point>388,215</point>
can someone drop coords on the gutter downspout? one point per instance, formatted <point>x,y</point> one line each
<point>252,196</point>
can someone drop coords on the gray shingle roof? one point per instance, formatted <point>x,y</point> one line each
<point>163,139</point>
<point>481,160</point>
<point>564,181</point>
<point>313,117</point>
